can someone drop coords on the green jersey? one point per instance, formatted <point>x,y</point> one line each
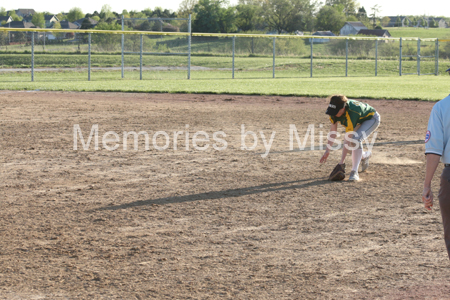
<point>355,113</point>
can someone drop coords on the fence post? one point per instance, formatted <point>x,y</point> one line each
<point>189,48</point>
<point>400,60</point>
<point>436,58</point>
<point>140,57</point>
<point>89,56</point>
<point>418,56</point>
<point>376,57</point>
<point>346,57</point>
<point>123,45</point>
<point>32,56</point>
<point>232,65</point>
<point>253,48</point>
<point>311,57</point>
<point>273,64</point>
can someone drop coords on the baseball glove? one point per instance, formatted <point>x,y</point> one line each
<point>338,173</point>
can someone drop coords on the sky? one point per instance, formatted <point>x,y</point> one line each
<point>388,7</point>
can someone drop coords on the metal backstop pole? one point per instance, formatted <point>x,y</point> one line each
<point>89,56</point>
<point>273,63</point>
<point>32,56</point>
<point>376,57</point>
<point>232,65</point>
<point>400,60</point>
<point>140,57</point>
<point>123,46</point>
<point>189,48</point>
<point>418,57</point>
<point>311,57</point>
<point>346,57</point>
<point>436,58</point>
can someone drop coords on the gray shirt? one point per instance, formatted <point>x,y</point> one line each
<point>437,139</point>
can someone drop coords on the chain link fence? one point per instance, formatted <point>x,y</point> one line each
<point>163,49</point>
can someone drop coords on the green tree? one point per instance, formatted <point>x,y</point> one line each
<point>207,16</point>
<point>248,16</point>
<point>398,22</point>
<point>385,21</point>
<point>13,15</point>
<point>433,23</point>
<point>375,11</point>
<point>348,6</point>
<point>186,8</point>
<point>135,14</point>
<point>158,12</point>
<point>106,12</point>
<point>75,14</point>
<point>330,18</point>
<point>125,14</point>
<point>148,12</point>
<point>58,35</point>
<point>38,20</point>
<point>86,24</point>
<point>3,38</point>
<point>107,42</point>
<point>362,14</point>
<point>228,20</point>
<point>211,16</point>
<point>3,12</point>
<point>61,16</point>
<point>406,22</point>
<point>423,22</point>
<point>289,15</point>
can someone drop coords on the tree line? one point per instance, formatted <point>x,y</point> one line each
<point>217,16</point>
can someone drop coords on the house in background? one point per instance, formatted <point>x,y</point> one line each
<point>20,37</point>
<point>68,25</point>
<point>6,19</point>
<point>65,35</point>
<point>20,24</point>
<point>374,32</point>
<point>25,12</point>
<point>50,20</point>
<point>351,28</point>
<point>441,22</point>
<point>80,22</point>
<point>321,33</point>
<point>398,21</point>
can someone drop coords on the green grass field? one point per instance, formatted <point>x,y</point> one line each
<point>296,65</point>
<point>442,33</point>
<point>253,72</point>
<point>388,87</point>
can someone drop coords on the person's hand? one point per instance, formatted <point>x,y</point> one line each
<point>325,156</point>
<point>427,197</point>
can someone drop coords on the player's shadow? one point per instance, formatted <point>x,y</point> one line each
<point>265,188</point>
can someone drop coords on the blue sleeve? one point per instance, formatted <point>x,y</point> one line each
<point>434,139</point>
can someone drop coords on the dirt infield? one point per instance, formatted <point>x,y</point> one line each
<point>193,224</point>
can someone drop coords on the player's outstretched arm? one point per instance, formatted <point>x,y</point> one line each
<point>427,194</point>
<point>332,136</point>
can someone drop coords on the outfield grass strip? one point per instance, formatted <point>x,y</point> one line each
<point>403,88</point>
<point>200,34</point>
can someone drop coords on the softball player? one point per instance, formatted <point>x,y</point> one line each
<point>359,120</point>
<point>437,147</point>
